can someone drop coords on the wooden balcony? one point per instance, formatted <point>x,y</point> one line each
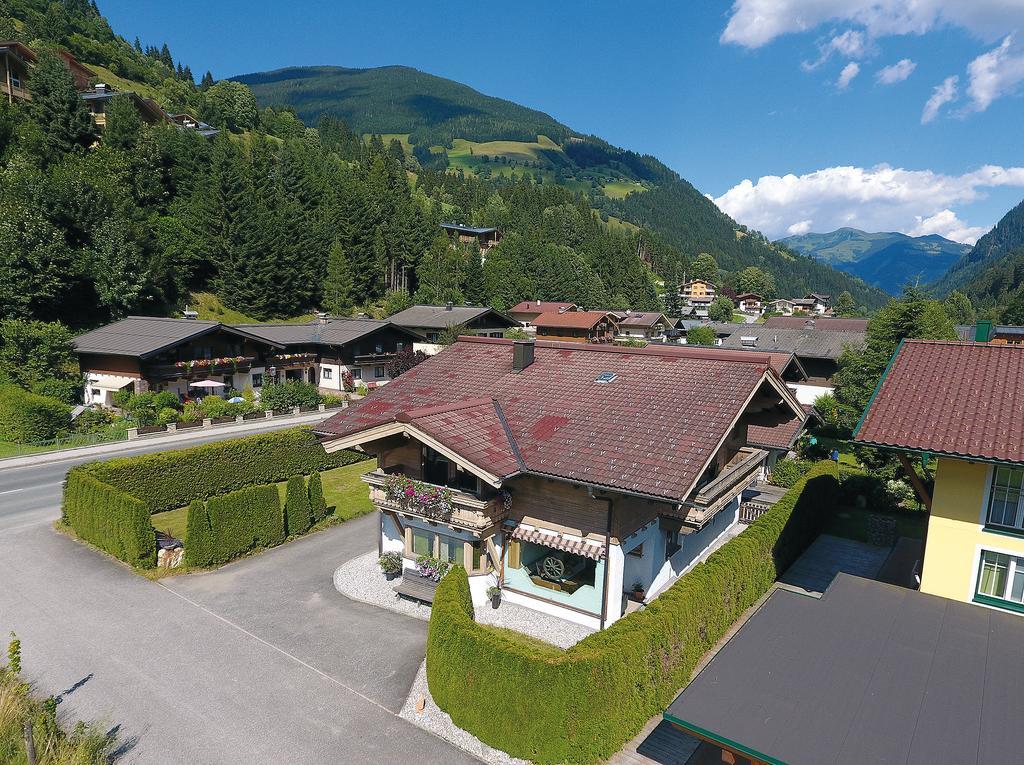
<point>740,473</point>
<point>16,92</point>
<point>199,368</point>
<point>467,512</point>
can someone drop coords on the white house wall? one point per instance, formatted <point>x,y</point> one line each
<point>694,545</point>
<point>808,394</point>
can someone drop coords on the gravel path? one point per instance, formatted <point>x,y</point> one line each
<point>440,724</point>
<point>361,579</point>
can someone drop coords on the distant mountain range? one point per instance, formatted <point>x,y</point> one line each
<point>447,123</point>
<point>887,260</point>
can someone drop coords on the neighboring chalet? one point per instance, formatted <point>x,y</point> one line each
<point>577,326</point>
<point>147,353</point>
<point>749,302</point>
<point>644,325</point>
<point>322,351</point>
<point>698,292</point>
<point>485,236</point>
<point>780,306</point>
<point>16,62</point>
<point>816,322</point>
<point>80,73</point>
<point>430,321</point>
<point>818,351</point>
<point>528,310</point>
<point>98,99</point>
<point>188,122</point>
<point>959,406</point>
<point>554,475</point>
<point>987,332</point>
<point>868,673</point>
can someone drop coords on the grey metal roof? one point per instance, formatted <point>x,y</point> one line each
<point>330,332</point>
<point>476,230</point>
<point>143,336</point>
<point>442,317</point>
<point>810,342</point>
<point>870,673</point>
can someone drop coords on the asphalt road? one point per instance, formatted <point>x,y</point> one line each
<point>261,661</point>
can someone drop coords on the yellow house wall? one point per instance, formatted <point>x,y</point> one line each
<point>956,533</point>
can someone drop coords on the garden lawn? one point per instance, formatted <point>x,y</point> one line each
<point>852,523</point>
<point>344,492</point>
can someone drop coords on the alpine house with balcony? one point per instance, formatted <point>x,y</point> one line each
<point>570,475</point>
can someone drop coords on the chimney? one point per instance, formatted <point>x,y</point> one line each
<point>983,331</point>
<point>188,314</point>
<point>447,306</point>
<point>522,354</point>
<point>322,317</point>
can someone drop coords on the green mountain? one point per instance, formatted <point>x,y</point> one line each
<point>887,260</point>
<point>447,124</point>
<point>992,273</point>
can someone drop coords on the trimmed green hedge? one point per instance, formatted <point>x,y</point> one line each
<point>298,515</point>
<point>243,520</point>
<point>26,417</point>
<point>317,502</point>
<point>110,519</point>
<point>583,704</point>
<point>172,479</point>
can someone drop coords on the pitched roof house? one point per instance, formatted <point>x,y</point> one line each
<point>528,310</point>
<point>577,326</point>
<point>960,406</point>
<point>429,321</point>
<point>575,470</point>
<point>818,322</point>
<point>646,325</point>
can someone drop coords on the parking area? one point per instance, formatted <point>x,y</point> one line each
<point>261,661</point>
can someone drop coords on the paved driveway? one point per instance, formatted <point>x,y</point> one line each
<point>260,662</point>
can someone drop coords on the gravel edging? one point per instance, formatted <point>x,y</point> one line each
<point>360,579</point>
<point>436,721</point>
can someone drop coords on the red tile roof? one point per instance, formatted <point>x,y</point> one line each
<point>820,322</point>
<point>775,433</point>
<point>650,431</point>
<point>964,399</point>
<point>570,319</point>
<point>540,306</point>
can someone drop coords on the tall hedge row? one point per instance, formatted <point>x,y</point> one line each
<point>26,417</point>
<point>172,479</point>
<point>581,705</point>
<point>243,520</point>
<point>110,519</point>
<point>298,513</point>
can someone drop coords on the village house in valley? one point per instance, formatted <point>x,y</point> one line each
<point>528,310</point>
<point>577,326</point>
<point>430,321</point>
<point>959,405</point>
<point>644,325</point>
<point>545,468</point>
<point>485,236</point>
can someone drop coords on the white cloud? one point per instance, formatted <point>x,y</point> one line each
<point>946,223</point>
<point>880,198</point>
<point>942,94</point>
<point>898,72</point>
<point>850,43</point>
<point>846,76</point>
<point>753,23</point>
<point>994,74</point>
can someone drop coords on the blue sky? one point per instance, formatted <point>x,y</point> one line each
<point>722,93</point>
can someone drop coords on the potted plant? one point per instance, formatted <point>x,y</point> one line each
<point>638,590</point>
<point>494,593</point>
<point>391,564</point>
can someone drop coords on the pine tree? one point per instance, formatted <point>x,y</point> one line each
<point>338,282</point>
<point>138,45</point>
<point>123,125</point>
<point>207,81</point>
<point>473,276</point>
<point>62,116</point>
<point>166,58</point>
<point>672,303</point>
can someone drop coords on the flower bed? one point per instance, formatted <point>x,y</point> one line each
<point>432,568</point>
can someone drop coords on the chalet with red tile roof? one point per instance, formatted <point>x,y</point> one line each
<point>528,310</point>
<point>577,326</point>
<point>567,473</point>
<point>644,325</point>
<point>961,407</point>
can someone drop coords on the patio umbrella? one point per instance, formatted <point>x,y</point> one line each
<point>207,384</point>
<point>236,400</point>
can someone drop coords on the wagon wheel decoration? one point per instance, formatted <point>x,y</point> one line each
<point>553,567</point>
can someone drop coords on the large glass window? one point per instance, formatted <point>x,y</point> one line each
<point>422,542</point>
<point>452,550</point>
<point>1005,507</point>
<point>1001,576</point>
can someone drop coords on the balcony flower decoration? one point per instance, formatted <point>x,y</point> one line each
<point>431,568</point>
<point>433,501</point>
<point>217,362</point>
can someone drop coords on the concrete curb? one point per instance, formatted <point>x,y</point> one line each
<point>169,439</point>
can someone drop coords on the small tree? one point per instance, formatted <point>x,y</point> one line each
<point>845,305</point>
<point>198,535</point>
<point>700,336</point>
<point>450,334</point>
<point>317,502</point>
<point>405,360</point>
<point>298,514</point>
<point>338,284</point>
<point>720,310</point>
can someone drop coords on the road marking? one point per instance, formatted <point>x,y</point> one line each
<point>27,488</point>
<point>12,491</point>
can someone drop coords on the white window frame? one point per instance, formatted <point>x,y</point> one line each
<point>986,506</point>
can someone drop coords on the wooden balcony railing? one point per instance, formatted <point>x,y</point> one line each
<point>467,511</point>
<point>740,473</point>
<point>201,368</point>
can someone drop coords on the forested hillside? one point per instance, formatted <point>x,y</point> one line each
<point>992,273</point>
<point>888,260</point>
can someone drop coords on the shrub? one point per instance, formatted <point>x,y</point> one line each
<point>172,479</point>
<point>198,535</point>
<point>538,702</point>
<point>68,391</point>
<point>166,415</point>
<point>317,502</point>
<point>26,417</point>
<point>788,472</point>
<point>244,520</point>
<point>298,515</point>
<point>288,394</point>
<point>113,520</point>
